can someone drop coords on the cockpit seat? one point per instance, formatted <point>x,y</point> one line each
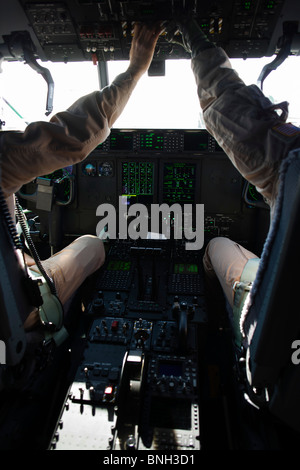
<point>270,320</point>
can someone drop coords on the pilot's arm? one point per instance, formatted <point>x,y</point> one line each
<point>71,135</point>
<point>244,122</point>
<point>254,136</point>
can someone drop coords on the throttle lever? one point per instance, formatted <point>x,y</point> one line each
<point>182,312</point>
<point>129,399</point>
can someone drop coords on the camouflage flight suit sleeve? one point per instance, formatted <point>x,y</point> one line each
<point>248,126</point>
<point>67,139</point>
<point>44,147</point>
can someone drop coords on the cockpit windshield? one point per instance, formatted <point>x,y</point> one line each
<point>163,102</point>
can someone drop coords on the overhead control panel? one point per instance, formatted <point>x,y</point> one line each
<point>102,30</point>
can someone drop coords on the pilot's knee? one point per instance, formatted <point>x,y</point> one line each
<point>90,240</point>
<point>214,248</point>
<point>92,248</point>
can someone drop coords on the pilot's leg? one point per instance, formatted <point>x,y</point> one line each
<point>225,260</point>
<point>73,264</point>
<point>229,263</point>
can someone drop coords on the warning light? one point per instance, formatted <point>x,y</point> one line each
<point>108,390</point>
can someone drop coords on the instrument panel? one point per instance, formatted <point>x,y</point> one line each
<point>155,167</point>
<point>164,167</point>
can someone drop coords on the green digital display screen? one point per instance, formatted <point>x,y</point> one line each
<point>253,195</point>
<point>137,178</point>
<point>183,268</point>
<point>118,265</point>
<point>151,141</point>
<point>121,141</point>
<point>179,183</point>
<point>196,141</point>
<point>247,5</point>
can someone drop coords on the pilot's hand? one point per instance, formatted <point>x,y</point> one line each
<point>174,34</point>
<point>142,47</point>
<point>191,38</point>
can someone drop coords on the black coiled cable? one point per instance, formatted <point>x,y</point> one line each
<point>9,223</point>
<point>23,223</point>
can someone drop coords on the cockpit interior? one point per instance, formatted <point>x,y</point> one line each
<point>150,361</point>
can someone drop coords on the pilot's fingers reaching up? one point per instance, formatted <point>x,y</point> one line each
<point>143,46</point>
